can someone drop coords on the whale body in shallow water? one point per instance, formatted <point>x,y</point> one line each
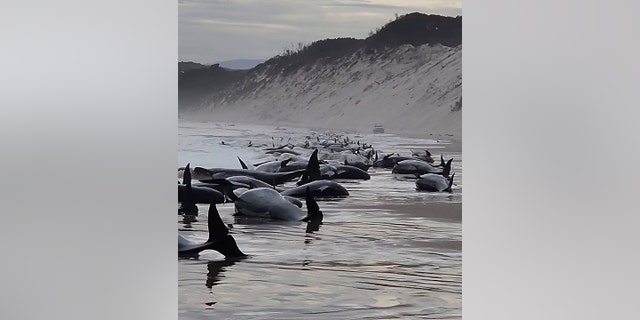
<point>420,167</point>
<point>268,203</point>
<point>272,178</point>
<point>318,188</point>
<point>434,182</point>
<point>189,195</point>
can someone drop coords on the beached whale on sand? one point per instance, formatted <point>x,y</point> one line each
<point>390,160</point>
<point>189,195</point>
<point>434,182</point>
<point>219,239</point>
<point>318,188</point>
<point>426,156</point>
<point>420,167</point>
<point>272,178</point>
<point>268,203</point>
<point>233,188</point>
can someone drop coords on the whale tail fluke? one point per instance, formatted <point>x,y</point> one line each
<point>450,183</point>
<point>219,235</point>
<point>442,163</point>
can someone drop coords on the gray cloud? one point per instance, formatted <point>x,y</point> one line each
<point>215,30</point>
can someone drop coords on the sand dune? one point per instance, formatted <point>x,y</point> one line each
<point>409,89</point>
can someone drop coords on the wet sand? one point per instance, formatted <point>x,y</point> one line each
<point>442,211</point>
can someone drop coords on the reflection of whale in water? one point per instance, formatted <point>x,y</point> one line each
<point>219,239</point>
<point>314,218</point>
<point>216,268</point>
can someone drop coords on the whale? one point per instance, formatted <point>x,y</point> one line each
<point>189,195</point>
<point>318,188</point>
<point>312,171</point>
<point>426,156</point>
<point>219,239</point>
<point>268,203</point>
<point>358,164</point>
<point>350,172</point>
<point>232,189</point>
<point>388,161</point>
<point>273,166</point>
<point>272,178</point>
<point>434,182</point>
<point>242,181</point>
<point>420,167</point>
<point>288,166</point>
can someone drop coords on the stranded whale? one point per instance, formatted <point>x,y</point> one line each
<point>219,239</point>
<point>434,182</point>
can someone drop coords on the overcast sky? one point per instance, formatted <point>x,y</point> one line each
<point>217,30</point>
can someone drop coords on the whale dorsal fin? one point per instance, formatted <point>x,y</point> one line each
<point>312,172</point>
<point>186,176</point>
<point>244,165</point>
<point>283,163</point>
<point>313,210</point>
<point>217,228</point>
<point>219,237</point>
<point>447,168</point>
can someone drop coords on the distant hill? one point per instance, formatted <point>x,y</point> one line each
<point>240,64</point>
<point>196,84</point>
<point>188,65</point>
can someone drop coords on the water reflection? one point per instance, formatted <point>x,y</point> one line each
<point>187,220</point>
<point>216,268</point>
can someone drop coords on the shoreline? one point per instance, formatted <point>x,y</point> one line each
<point>454,141</point>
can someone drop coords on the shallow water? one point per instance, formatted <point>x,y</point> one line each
<point>386,251</point>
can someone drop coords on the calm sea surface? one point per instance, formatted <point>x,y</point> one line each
<point>386,251</point>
